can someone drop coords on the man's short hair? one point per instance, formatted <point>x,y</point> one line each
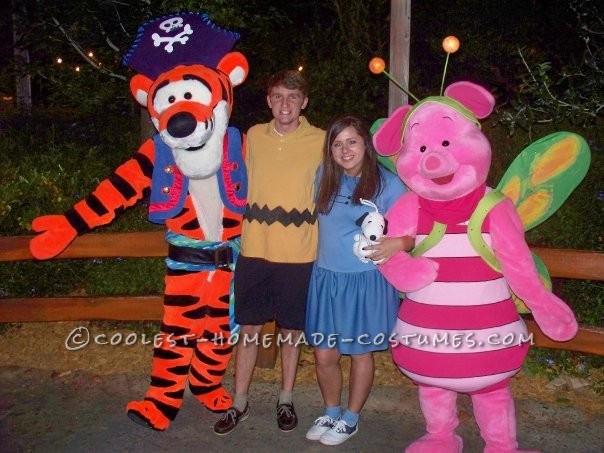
<point>290,79</point>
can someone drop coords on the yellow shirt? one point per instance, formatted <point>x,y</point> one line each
<point>280,223</point>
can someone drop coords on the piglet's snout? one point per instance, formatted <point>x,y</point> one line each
<point>435,164</point>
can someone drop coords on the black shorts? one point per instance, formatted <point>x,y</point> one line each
<point>266,291</point>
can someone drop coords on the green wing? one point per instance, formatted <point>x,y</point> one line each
<point>386,162</point>
<point>539,181</point>
<point>376,125</point>
<point>544,174</point>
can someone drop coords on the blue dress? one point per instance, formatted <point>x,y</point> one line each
<point>350,305</point>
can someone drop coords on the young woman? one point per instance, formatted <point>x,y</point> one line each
<point>351,308</point>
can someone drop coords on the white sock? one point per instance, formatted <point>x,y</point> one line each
<point>285,397</point>
<point>240,401</point>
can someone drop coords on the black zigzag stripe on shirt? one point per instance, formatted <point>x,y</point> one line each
<point>270,216</point>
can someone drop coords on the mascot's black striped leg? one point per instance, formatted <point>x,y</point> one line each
<point>172,354</point>
<point>213,351</point>
<point>207,370</point>
<point>195,347</point>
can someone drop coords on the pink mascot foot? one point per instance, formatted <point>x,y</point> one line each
<point>439,407</point>
<point>496,418</point>
<point>431,443</point>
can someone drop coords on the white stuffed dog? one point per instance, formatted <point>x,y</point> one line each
<point>373,226</point>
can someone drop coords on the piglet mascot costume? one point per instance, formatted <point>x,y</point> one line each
<point>457,309</point>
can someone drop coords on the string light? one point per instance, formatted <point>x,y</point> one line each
<point>90,55</point>
<point>300,68</point>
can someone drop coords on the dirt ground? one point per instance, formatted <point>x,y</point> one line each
<point>102,350</point>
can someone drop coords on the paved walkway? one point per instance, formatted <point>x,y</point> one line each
<point>72,412</point>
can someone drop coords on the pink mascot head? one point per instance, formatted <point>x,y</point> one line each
<point>443,153</point>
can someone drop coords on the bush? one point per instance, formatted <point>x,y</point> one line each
<point>52,161</point>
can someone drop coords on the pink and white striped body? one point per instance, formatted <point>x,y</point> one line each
<point>462,332</point>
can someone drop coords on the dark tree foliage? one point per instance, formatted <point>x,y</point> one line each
<point>332,40</point>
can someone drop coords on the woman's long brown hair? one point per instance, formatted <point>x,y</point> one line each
<point>369,185</point>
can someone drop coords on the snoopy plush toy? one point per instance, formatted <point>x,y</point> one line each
<point>373,227</point>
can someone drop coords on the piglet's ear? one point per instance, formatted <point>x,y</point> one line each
<point>387,139</point>
<point>473,97</point>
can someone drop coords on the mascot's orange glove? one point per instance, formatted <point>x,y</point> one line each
<point>56,234</point>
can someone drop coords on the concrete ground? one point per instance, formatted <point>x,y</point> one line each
<point>72,412</point>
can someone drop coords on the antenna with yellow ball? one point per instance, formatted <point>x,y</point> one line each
<point>450,45</point>
<point>378,66</point>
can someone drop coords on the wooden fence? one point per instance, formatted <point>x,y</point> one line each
<point>562,263</point>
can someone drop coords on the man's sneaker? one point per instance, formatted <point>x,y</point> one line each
<point>286,416</point>
<point>339,433</point>
<point>230,419</point>
<point>320,427</point>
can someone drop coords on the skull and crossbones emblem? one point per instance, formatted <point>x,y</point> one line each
<point>168,26</point>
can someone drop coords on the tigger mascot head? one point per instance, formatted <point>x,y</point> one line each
<point>190,102</point>
<point>193,171</point>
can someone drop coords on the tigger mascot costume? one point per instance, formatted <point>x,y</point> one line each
<point>194,174</point>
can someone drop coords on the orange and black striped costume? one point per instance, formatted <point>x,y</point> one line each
<point>193,346</point>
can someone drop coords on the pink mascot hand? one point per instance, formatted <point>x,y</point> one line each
<point>554,317</point>
<point>408,274</point>
<point>56,234</point>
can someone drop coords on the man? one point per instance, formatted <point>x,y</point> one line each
<point>278,241</point>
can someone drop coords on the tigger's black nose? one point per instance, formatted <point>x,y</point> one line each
<point>182,125</point>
